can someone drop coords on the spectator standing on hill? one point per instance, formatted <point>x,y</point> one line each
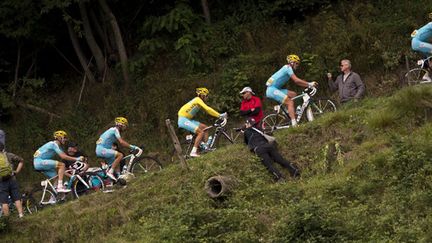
<point>8,183</point>
<point>349,83</point>
<point>421,42</point>
<point>251,106</point>
<point>268,153</point>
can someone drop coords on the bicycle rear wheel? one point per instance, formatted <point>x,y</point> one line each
<point>415,76</point>
<point>319,107</point>
<point>94,183</point>
<point>272,122</point>
<point>144,165</point>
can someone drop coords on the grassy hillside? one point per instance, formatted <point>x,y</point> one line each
<point>367,175</point>
<point>374,35</point>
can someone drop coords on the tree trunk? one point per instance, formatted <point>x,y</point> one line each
<point>118,38</point>
<point>206,11</point>
<point>17,70</point>
<point>102,34</point>
<point>82,59</point>
<point>91,41</point>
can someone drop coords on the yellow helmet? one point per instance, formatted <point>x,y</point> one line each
<point>121,121</point>
<point>60,134</point>
<point>293,58</point>
<point>202,91</point>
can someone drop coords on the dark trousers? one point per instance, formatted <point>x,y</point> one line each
<point>268,153</point>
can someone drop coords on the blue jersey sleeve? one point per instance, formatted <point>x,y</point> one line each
<point>117,134</point>
<point>57,148</point>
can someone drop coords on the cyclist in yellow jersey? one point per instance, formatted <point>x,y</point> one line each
<point>189,110</point>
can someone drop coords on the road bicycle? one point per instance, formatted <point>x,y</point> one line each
<point>310,106</point>
<point>135,164</point>
<point>419,75</point>
<point>79,183</point>
<point>219,131</point>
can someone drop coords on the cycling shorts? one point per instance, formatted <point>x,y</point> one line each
<point>188,124</point>
<point>421,46</point>
<point>107,154</point>
<point>277,94</point>
<point>47,166</point>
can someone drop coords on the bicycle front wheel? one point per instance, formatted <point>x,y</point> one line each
<point>319,107</point>
<point>272,122</point>
<point>144,165</point>
<point>415,76</point>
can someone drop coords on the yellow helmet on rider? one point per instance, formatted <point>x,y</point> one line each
<point>293,58</point>
<point>60,134</point>
<point>202,91</point>
<point>121,121</point>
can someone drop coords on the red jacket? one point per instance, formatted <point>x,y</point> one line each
<point>247,105</point>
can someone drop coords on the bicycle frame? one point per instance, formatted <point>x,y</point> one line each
<point>306,100</point>
<point>422,62</point>
<point>45,184</point>
<point>219,131</point>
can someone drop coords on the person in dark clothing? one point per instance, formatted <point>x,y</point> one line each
<point>349,83</point>
<point>267,152</point>
<point>73,151</point>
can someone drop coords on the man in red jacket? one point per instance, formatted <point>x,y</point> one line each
<point>251,106</point>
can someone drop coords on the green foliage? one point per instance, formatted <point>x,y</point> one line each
<point>4,224</point>
<point>180,23</point>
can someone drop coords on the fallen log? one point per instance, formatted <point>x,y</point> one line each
<point>220,186</point>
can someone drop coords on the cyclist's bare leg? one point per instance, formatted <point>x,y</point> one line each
<point>200,134</point>
<point>118,158</point>
<point>61,170</point>
<point>290,104</point>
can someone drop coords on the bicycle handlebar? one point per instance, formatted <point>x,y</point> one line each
<point>310,91</point>
<point>220,122</point>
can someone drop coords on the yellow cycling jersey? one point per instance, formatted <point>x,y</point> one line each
<point>190,109</point>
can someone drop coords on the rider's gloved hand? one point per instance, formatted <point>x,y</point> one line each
<point>81,158</point>
<point>223,115</point>
<point>312,84</point>
<point>133,147</point>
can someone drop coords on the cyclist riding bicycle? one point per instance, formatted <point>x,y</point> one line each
<point>189,110</point>
<point>43,159</point>
<point>280,78</point>
<point>105,142</point>
<point>421,42</point>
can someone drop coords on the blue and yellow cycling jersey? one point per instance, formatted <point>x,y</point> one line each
<point>424,33</point>
<point>281,77</point>
<point>108,138</point>
<point>190,109</point>
<point>48,150</point>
